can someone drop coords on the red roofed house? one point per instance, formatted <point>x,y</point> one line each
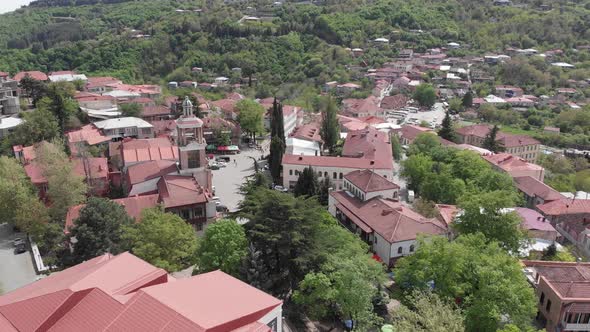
<point>88,135</point>
<point>366,207</point>
<point>142,178</point>
<point>521,146</point>
<point>536,226</point>
<point>508,91</point>
<point>536,192</point>
<point>156,112</point>
<point>409,133</point>
<point>125,293</point>
<point>226,107</point>
<point>309,132</point>
<point>571,218</point>
<point>394,103</point>
<point>36,75</point>
<point>363,149</point>
<point>101,84</point>
<point>563,289</point>
<point>360,108</point>
<point>515,166</point>
<point>134,151</point>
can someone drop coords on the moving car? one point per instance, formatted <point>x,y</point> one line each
<point>223,159</point>
<point>20,248</point>
<point>18,241</point>
<point>281,189</point>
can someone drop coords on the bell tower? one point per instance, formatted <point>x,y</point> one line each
<point>190,140</point>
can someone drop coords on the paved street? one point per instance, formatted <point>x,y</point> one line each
<point>227,180</point>
<point>429,116</point>
<point>15,270</point>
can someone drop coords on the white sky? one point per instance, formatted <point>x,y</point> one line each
<point>10,5</point>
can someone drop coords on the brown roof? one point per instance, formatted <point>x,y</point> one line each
<point>410,132</point>
<point>569,279</point>
<point>509,162</point>
<point>369,181</point>
<point>177,190</point>
<point>565,206</point>
<point>390,219</point>
<point>367,105</point>
<point>37,75</point>
<point>310,132</point>
<point>394,102</point>
<point>506,139</point>
<point>533,187</point>
<point>149,170</point>
<point>368,143</point>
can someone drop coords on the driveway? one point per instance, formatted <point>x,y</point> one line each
<point>15,270</point>
<point>228,180</point>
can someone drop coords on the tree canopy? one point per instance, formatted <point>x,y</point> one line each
<point>486,281</point>
<point>307,183</point>
<point>330,130</point>
<point>425,95</point>
<point>250,116</point>
<point>223,246</point>
<point>162,239</point>
<point>427,312</point>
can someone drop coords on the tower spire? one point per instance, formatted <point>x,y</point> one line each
<point>187,107</point>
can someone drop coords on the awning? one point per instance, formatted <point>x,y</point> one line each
<point>228,148</point>
<point>210,147</point>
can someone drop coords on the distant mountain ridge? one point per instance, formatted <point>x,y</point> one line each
<point>66,3</point>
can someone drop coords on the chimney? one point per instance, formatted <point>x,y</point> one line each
<point>372,162</point>
<point>300,157</point>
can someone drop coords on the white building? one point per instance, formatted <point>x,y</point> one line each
<point>8,124</point>
<point>126,127</point>
<point>367,207</point>
<point>298,147</point>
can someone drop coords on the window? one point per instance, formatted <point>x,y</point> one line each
<point>290,172</point>
<point>412,248</point>
<point>542,299</point>
<point>399,250</point>
<point>297,172</point>
<point>325,174</point>
<point>319,174</point>
<point>335,175</point>
<point>548,307</point>
<point>193,159</point>
<point>341,176</point>
<point>375,239</point>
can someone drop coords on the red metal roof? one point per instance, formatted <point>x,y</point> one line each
<point>178,190</point>
<point>149,170</point>
<point>369,181</point>
<point>565,206</point>
<point>139,150</point>
<point>369,143</point>
<point>341,162</point>
<point>533,187</point>
<point>390,219</point>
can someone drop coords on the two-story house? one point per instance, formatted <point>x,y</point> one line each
<point>368,206</point>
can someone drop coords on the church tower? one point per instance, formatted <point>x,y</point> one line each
<point>191,144</point>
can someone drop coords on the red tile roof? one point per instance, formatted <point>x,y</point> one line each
<point>88,134</point>
<point>361,106</point>
<point>410,132</point>
<point>133,206</point>
<point>163,127</point>
<point>506,139</point>
<point>225,105</point>
<point>533,187</point>
<point>447,212</point>
<point>565,206</point>
<point>569,280</point>
<point>94,82</point>
<point>533,220</point>
<point>176,190</point>
<point>95,168</point>
<point>509,162</point>
<point>351,123</point>
<point>155,111</point>
<point>395,102</point>
<point>37,75</point>
<point>341,162</point>
<point>310,132</point>
<point>390,219</point>
<point>370,144</point>
<point>369,181</point>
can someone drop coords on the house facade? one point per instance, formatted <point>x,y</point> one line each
<point>125,127</point>
<point>562,289</point>
<point>367,207</point>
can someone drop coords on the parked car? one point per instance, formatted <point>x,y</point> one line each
<point>20,248</point>
<point>281,188</point>
<point>215,198</point>
<point>221,208</point>
<point>223,159</point>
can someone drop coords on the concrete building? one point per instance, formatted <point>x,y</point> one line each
<point>125,127</point>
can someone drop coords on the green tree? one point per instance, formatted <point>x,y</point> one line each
<point>224,246</point>
<point>277,143</point>
<point>415,169</point>
<point>490,141</point>
<point>455,105</point>
<point>447,131</point>
<point>250,116</point>
<point>425,95</point>
<point>324,191</point>
<point>486,281</point>
<point>442,187</point>
<point>330,130</point>
<point>162,239</point>
<point>427,312</point>
<point>467,100</point>
<point>65,188</point>
<point>131,109</point>
<point>486,213</point>
<point>40,125</point>
<point>60,102</point>
<point>307,183</point>
<point>98,230</point>
<point>33,88</point>
<point>396,147</point>
<point>424,143</point>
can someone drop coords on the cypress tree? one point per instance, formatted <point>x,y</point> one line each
<point>467,99</point>
<point>490,142</point>
<point>330,130</point>
<point>446,131</point>
<point>396,147</point>
<point>277,143</point>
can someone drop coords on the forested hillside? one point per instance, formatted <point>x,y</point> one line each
<point>290,43</point>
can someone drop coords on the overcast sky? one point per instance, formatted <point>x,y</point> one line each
<point>10,5</point>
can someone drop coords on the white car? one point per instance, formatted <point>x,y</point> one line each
<point>281,188</point>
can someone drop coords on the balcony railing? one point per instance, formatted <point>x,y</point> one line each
<point>576,327</point>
